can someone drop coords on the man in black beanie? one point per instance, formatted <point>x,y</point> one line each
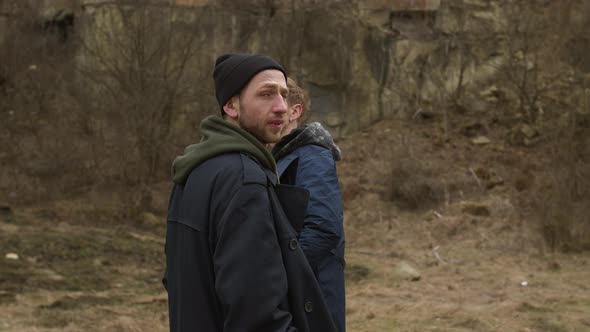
<point>233,262</point>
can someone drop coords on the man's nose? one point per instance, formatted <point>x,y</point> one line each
<point>280,105</point>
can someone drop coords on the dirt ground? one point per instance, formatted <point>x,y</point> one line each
<point>437,240</point>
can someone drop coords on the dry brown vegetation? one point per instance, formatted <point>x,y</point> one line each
<point>88,132</point>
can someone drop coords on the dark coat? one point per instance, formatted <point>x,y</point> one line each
<point>307,159</point>
<point>233,260</point>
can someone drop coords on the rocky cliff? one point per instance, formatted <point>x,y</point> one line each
<point>361,60</point>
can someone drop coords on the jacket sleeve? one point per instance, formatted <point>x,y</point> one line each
<point>250,278</point>
<point>322,228</point>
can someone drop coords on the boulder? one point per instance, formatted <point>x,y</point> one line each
<point>149,219</point>
<point>405,271</point>
<point>476,209</point>
<point>481,140</point>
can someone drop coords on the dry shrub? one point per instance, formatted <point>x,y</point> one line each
<point>138,62</point>
<point>562,202</point>
<point>413,185</point>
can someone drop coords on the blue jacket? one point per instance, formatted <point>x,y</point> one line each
<point>307,158</point>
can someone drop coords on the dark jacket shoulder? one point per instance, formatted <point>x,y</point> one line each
<point>238,168</point>
<point>214,181</point>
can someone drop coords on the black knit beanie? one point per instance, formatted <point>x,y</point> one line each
<point>233,71</point>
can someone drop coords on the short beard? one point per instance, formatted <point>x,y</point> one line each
<point>242,123</point>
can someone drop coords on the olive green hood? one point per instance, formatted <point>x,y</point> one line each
<point>219,137</point>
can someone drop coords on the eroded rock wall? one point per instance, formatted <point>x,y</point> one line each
<point>361,60</point>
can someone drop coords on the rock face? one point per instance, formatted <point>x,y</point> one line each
<point>361,60</point>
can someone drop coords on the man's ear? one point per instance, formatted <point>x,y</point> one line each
<point>296,112</point>
<point>232,107</point>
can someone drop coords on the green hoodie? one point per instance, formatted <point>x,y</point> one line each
<point>219,137</point>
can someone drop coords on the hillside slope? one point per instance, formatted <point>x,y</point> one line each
<point>441,236</point>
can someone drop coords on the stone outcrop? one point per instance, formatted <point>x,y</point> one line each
<point>361,60</point>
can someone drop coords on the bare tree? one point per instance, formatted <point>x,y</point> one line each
<point>136,58</point>
<point>561,205</point>
<point>524,33</point>
<point>138,65</point>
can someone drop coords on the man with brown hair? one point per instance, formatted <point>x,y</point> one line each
<point>306,157</point>
<point>299,105</point>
